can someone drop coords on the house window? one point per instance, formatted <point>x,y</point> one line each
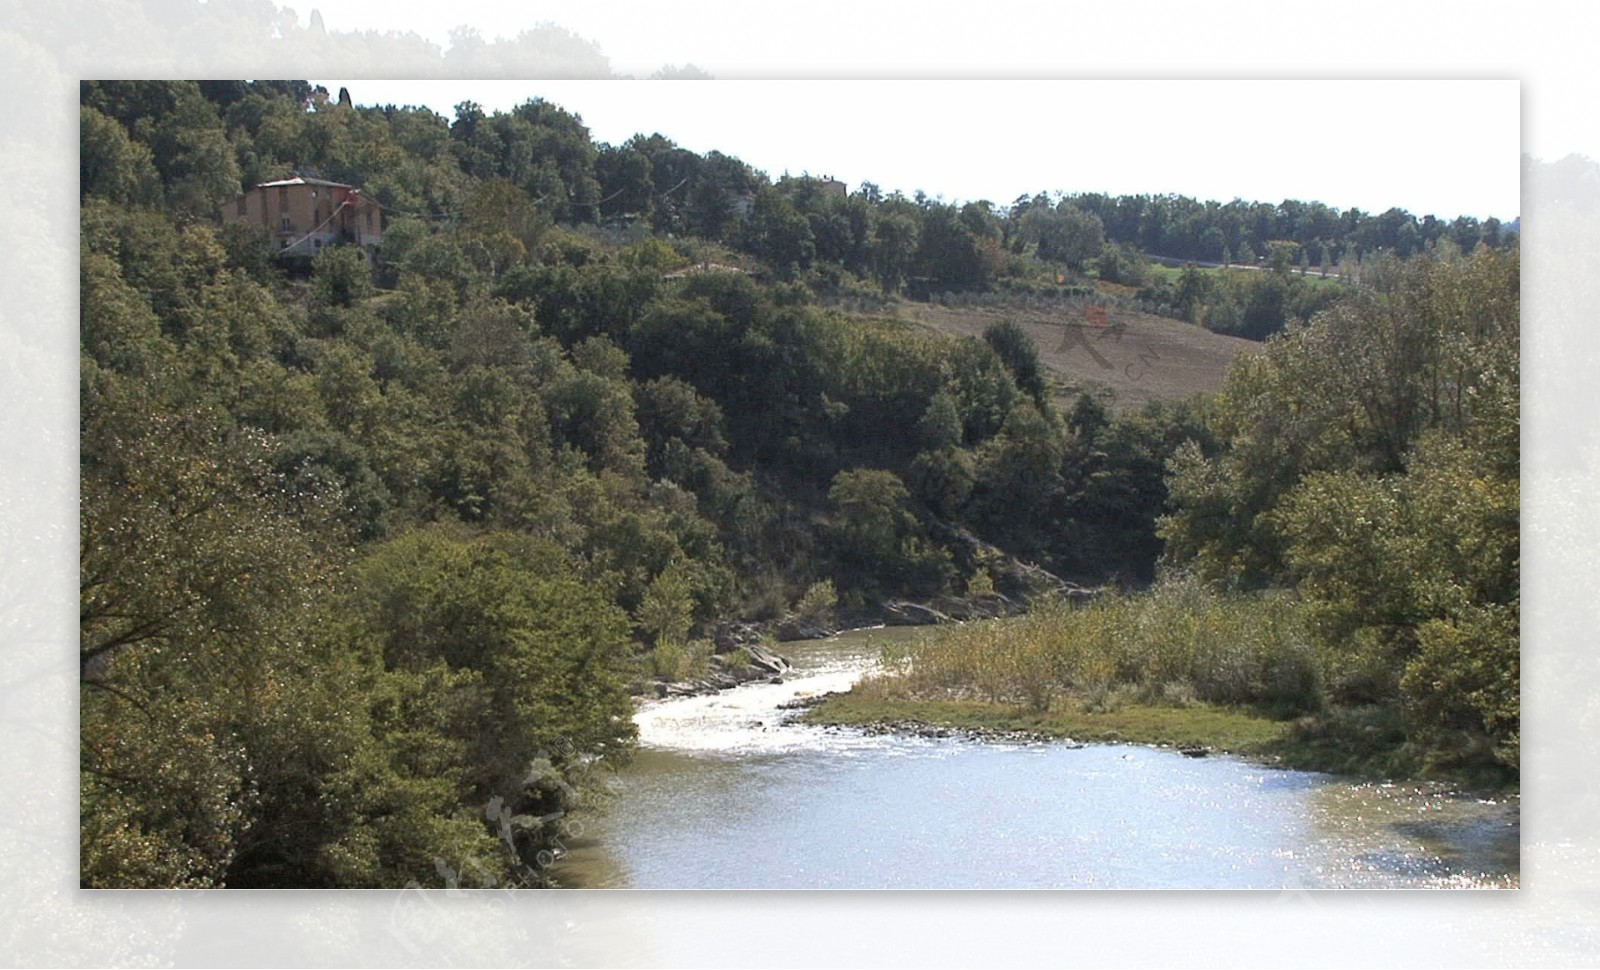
<point>283,197</point>
<point>283,221</point>
<point>369,220</point>
<point>240,207</point>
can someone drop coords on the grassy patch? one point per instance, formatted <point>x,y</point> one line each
<point>1179,664</point>
<point>1236,730</point>
<point>1349,741</point>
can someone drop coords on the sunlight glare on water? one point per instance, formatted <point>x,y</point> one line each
<point>725,793</point>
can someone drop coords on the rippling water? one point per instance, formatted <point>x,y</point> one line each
<point>725,794</point>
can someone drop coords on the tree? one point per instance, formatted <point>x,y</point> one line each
<point>626,184</point>
<point>1195,289</point>
<point>1415,577</point>
<point>777,233</point>
<point>498,206</point>
<point>181,130</point>
<point>950,256</point>
<point>546,647</point>
<point>340,276</point>
<point>878,541</point>
<point>893,247</point>
<point>196,575</point>
<point>113,166</point>
<point>1017,351</point>
<point>1431,345</point>
<point>1066,235</point>
<point>192,153</point>
<point>1018,479</point>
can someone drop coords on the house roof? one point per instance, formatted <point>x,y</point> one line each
<point>302,180</point>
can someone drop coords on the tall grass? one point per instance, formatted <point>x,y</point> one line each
<point>676,661</point>
<point>1176,642</point>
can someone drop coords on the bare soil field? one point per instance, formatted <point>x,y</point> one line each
<point>1129,356</point>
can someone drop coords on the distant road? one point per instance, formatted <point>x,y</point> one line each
<point>1175,261</point>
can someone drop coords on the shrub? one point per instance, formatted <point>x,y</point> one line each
<point>817,605</point>
<point>1178,643</point>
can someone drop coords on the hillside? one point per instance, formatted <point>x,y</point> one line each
<point>1132,357</point>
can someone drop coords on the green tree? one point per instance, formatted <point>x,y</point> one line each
<point>340,277</point>
<point>776,232</point>
<point>498,207</point>
<point>550,650</point>
<point>878,541</point>
<point>197,571</point>
<point>1021,357</point>
<point>625,180</point>
<point>893,247</point>
<point>1428,347</point>
<point>1063,234</point>
<point>113,166</point>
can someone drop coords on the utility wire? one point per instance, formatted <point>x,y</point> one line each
<point>336,210</point>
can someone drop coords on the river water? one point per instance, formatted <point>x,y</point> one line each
<point>724,794</point>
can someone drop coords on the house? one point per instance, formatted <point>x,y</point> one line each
<point>303,214</point>
<point>833,186</point>
<point>705,267</point>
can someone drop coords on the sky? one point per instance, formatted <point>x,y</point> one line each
<point>1446,148</point>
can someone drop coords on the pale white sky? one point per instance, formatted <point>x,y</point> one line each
<point>1380,151</point>
<point>1445,148</point>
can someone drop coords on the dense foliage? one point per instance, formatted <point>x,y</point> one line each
<point>1342,545</point>
<point>370,559</point>
<point>1371,461</point>
<point>373,552</point>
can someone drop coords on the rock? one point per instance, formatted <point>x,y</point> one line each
<point>770,664</point>
<point>803,703</point>
<point>731,636</point>
<point>795,628</point>
<point>1193,751</point>
<point>905,613</point>
<point>1078,595</point>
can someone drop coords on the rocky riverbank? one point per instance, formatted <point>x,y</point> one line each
<point>745,651</point>
<point>911,727</point>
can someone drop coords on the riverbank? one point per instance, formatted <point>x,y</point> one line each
<point>1181,663</point>
<point>734,790</point>
<point>1354,742</point>
<point>746,651</point>
<point>1197,730</point>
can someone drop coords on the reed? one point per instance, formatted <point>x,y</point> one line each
<point>1177,643</point>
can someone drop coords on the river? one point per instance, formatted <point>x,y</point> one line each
<point>723,793</point>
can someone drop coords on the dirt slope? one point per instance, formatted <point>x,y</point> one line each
<point>1130,356</point>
